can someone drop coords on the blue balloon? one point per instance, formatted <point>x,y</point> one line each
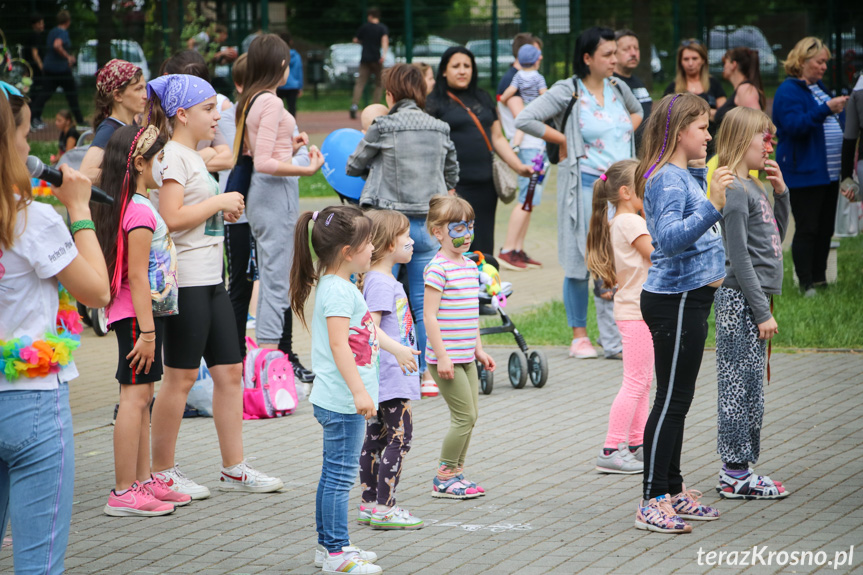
<point>336,149</point>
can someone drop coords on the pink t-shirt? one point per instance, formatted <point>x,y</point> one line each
<point>630,266</point>
<point>162,267</point>
<point>270,132</point>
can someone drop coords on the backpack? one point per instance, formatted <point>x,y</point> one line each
<point>268,383</point>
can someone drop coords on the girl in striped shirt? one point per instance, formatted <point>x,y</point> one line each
<point>451,314</point>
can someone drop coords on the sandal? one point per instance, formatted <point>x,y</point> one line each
<point>460,476</point>
<point>751,487</point>
<point>453,489</point>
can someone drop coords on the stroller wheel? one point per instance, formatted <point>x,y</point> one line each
<point>85,315</point>
<point>538,368</point>
<point>517,369</point>
<point>100,322</point>
<point>486,379</point>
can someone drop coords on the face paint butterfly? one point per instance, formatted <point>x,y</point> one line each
<point>461,232</point>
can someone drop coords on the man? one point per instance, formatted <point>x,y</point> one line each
<point>34,51</point>
<point>57,66</point>
<point>628,57</point>
<point>375,41</point>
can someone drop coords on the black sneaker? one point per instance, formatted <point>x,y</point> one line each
<point>302,374</point>
<point>353,111</point>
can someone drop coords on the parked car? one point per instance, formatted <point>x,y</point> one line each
<point>482,52</point>
<point>128,50</point>
<point>723,38</point>
<point>427,52</point>
<point>342,64</point>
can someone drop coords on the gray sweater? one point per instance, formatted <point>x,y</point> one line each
<point>752,232</point>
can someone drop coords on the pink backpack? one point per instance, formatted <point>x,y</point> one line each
<point>268,383</point>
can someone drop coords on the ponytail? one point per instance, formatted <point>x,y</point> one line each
<point>600,257</point>
<point>303,275</point>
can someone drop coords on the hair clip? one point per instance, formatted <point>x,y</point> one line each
<point>315,217</point>
<point>603,177</point>
<point>329,219</point>
<point>665,140</point>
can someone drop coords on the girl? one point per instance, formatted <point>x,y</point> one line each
<point>619,254</point>
<point>388,434</point>
<point>121,94</point>
<point>752,232</point>
<point>38,336</point>
<point>274,193</point>
<point>688,265</point>
<point>69,135</point>
<point>451,312</point>
<point>190,203</point>
<point>142,263</point>
<point>740,67</point>
<point>345,359</point>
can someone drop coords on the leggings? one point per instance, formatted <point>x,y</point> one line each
<point>678,324</point>
<point>740,363</point>
<point>462,397</point>
<point>814,210</point>
<point>629,410</point>
<point>388,440</point>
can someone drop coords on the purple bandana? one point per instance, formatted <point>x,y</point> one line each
<point>177,91</point>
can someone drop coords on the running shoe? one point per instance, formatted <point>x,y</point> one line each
<point>658,515</point>
<point>136,502</point>
<point>243,477</point>
<point>395,518</point>
<point>160,490</point>
<point>511,260</point>
<point>177,480</point>
<point>687,506</point>
<point>638,454</point>
<point>529,261</point>
<point>581,348</point>
<point>752,486</point>
<point>321,554</point>
<point>620,461</point>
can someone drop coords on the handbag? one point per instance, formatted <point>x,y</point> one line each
<point>505,179</point>
<point>553,150</point>
<point>240,178</point>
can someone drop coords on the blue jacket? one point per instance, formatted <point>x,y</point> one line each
<point>295,75</point>
<point>684,230</point>
<point>799,118</point>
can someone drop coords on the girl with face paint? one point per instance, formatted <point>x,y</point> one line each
<point>142,265</point>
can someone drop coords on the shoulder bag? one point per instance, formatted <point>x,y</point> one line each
<point>240,178</point>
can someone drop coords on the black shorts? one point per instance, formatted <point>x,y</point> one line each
<point>127,331</point>
<point>205,327</point>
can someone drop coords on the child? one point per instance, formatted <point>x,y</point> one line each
<point>192,207</point>
<point>371,112</point>
<point>527,83</point>
<point>451,312</point>
<point>688,265</point>
<point>143,265</point>
<point>69,135</point>
<point>388,434</point>
<point>753,266</point>
<point>619,254</point>
<point>345,361</point>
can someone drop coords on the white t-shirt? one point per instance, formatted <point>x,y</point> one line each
<point>199,249</point>
<point>28,289</point>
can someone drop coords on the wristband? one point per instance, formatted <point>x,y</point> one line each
<point>83,225</point>
<point>151,331</point>
<point>148,340</point>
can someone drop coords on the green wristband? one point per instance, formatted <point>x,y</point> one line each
<point>83,225</point>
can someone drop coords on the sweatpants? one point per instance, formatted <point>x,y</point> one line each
<point>273,206</point>
<point>678,325</point>
<point>741,360</point>
<point>462,397</point>
<point>609,335</point>
<point>630,408</point>
<point>388,440</point>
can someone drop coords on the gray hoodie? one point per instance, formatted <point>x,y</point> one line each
<point>753,232</point>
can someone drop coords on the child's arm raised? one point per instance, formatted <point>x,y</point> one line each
<point>403,354</point>
<point>431,305</point>
<point>142,355</point>
<point>338,329</point>
<point>781,199</point>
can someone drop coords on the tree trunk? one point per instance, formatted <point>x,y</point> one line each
<point>104,32</point>
<point>641,14</point>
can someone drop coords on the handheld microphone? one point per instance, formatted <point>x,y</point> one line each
<point>53,176</point>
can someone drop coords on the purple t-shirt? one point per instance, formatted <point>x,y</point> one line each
<point>385,294</point>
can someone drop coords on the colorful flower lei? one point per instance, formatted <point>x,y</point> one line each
<point>24,357</point>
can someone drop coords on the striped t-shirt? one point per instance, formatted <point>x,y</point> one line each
<point>832,135</point>
<point>458,315</point>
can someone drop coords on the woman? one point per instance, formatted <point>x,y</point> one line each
<point>809,128</point>
<point>37,464</point>
<point>274,193</point>
<point>740,67</point>
<point>407,176</point>
<point>597,133</point>
<point>455,92</point>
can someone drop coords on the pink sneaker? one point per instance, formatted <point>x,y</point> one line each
<point>156,487</point>
<point>581,348</point>
<point>136,502</point>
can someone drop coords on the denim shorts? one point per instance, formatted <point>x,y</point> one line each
<point>526,156</point>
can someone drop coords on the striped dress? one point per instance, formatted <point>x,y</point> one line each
<point>458,315</point>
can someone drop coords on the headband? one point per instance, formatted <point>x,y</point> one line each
<point>177,91</point>
<point>665,140</point>
<point>114,74</point>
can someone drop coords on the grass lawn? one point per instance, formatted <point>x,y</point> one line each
<point>825,321</point>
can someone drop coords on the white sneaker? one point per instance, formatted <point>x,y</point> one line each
<point>428,388</point>
<point>242,477</point>
<point>177,480</point>
<point>321,554</point>
<point>395,518</point>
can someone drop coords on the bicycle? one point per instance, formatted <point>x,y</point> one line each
<point>14,70</point>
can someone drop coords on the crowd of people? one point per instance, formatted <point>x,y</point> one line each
<point>633,215</point>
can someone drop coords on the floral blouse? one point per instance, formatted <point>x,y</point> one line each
<point>607,130</point>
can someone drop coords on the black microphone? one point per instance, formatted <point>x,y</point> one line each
<point>53,176</point>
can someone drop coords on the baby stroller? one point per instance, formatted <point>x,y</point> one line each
<point>522,364</point>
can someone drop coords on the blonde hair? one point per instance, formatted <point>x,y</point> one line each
<point>14,177</point>
<point>447,209</point>
<point>680,78</point>
<point>738,128</point>
<point>387,225</point>
<point>663,126</point>
<point>600,257</point>
<point>803,50</point>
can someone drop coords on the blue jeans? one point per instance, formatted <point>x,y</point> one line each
<point>576,291</point>
<point>425,248</point>
<point>37,471</point>
<point>343,441</point>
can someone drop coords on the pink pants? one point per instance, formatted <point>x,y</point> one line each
<point>631,406</point>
